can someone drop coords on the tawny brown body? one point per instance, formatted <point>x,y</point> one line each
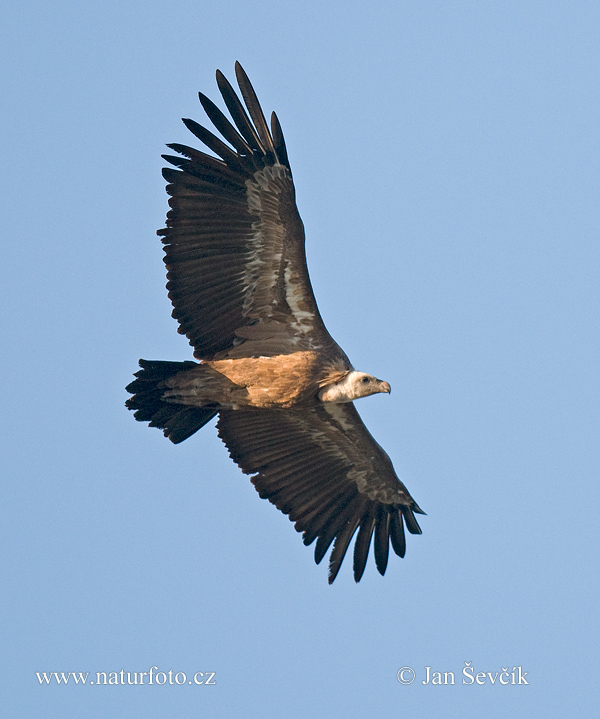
<point>279,381</point>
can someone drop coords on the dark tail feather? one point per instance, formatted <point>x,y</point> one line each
<point>177,421</point>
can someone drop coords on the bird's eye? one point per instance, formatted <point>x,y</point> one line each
<point>366,380</point>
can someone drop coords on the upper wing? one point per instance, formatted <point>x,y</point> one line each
<point>321,467</point>
<point>234,241</point>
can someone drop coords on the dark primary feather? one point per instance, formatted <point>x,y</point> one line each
<point>211,141</point>
<point>363,542</point>
<point>341,543</point>
<point>324,528</point>
<point>255,110</point>
<point>397,534</point>
<point>223,125</point>
<point>239,116</point>
<point>279,141</point>
<point>382,539</point>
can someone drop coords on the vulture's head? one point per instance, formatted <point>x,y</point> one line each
<point>352,386</point>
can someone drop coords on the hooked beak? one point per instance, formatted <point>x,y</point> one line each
<point>385,387</point>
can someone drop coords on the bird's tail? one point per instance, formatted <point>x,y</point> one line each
<point>177,421</point>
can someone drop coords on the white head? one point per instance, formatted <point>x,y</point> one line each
<point>352,386</point>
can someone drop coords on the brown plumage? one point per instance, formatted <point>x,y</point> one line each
<point>283,389</point>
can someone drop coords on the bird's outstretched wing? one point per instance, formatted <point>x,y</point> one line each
<point>234,241</point>
<point>321,467</point>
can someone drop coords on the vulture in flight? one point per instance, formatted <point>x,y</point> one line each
<point>282,388</point>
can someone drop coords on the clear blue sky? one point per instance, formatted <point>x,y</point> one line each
<point>446,163</point>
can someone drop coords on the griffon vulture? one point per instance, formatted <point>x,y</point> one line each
<point>282,388</point>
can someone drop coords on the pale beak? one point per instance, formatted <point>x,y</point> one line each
<point>384,386</point>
